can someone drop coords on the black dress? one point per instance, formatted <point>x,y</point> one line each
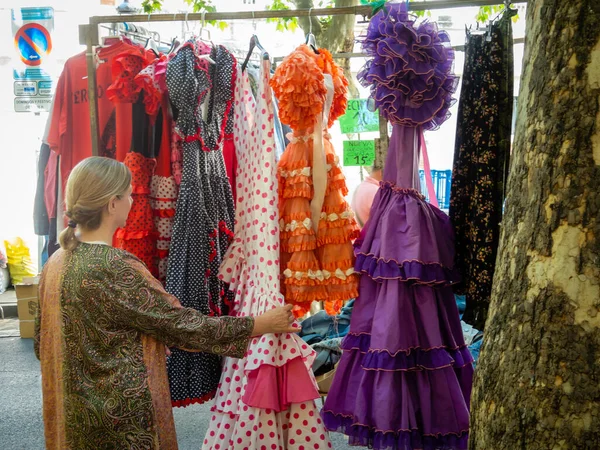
<point>205,208</point>
<point>481,162</point>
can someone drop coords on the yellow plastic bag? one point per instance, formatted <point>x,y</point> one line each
<point>19,261</point>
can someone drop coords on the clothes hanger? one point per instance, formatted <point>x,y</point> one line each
<point>254,43</point>
<point>107,41</point>
<point>203,28</point>
<point>174,46</point>
<point>310,38</point>
<point>207,40</point>
<point>114,37</point>
<point>192,33</point>
<point>507,8</point>
<point>175,43</point>
<point>187,34</point>
<point>151,42</point>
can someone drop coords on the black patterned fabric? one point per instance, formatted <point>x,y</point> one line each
<point>481,162</point>
<point>205,208</point>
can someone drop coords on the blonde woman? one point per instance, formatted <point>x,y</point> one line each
<point>103,324</point>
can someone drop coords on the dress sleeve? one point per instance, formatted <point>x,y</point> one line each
<point>146,81</point>
<point>134,298</point>
<point>125,67</point>
<point>299,86</point>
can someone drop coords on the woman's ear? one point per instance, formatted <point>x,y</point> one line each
<point>112,205</point>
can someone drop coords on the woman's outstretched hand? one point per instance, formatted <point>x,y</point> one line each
<point>278,320</point>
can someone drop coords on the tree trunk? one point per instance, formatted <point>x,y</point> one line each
<point>538,381</point>
<point>337,38</point>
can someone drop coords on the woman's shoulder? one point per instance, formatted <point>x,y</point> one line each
<point>104,263</point>
<point>103,256</point>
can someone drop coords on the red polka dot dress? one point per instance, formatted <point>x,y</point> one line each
<point>139,237</point>
<point>266,399</point>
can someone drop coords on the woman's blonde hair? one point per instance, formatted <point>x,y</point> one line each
<point>91,185</point>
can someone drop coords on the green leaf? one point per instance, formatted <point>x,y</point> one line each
<point>278,5</point>
<point>287,23</point>
<point>487,13</point>
<point>150,6</point>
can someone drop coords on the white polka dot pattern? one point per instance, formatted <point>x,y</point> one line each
<point>204,213</point>
<point>251,267</point>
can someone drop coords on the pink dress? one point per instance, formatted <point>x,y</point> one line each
<point>266,399</point>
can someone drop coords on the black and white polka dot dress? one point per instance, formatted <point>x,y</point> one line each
<point>205,208</point>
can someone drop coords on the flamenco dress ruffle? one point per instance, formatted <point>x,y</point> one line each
<point>404,379</point>
<point>316,251</point>
<point>266,399</point>
<point>138,236</point>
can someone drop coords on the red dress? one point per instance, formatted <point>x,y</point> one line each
<point>138,237</point>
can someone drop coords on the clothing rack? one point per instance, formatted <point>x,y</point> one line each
<point>89,36</point>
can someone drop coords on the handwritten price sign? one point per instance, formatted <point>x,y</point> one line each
<point>358,118</point>
<point>359,153</point>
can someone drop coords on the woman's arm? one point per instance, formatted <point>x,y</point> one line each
<point>134,298</point>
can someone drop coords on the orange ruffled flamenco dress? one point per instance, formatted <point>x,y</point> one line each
<point>317,224</point>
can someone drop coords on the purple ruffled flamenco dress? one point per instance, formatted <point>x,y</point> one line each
<point>404,380</point>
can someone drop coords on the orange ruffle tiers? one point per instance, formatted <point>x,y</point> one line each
<point>316,266</point>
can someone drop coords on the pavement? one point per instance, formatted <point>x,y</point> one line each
<point>21,425</point>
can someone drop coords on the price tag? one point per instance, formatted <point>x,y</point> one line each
<point>358,118</point>
<point>359,153</point>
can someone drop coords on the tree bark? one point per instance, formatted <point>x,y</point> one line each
<point>337,38</point>
<point>538,381</point>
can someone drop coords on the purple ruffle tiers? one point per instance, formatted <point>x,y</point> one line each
<point>411,271</point>
<point>404,379</point>
<point>410,72</point>
<point>406,238</point>
<point>405,360</point>
<point>364,436</point>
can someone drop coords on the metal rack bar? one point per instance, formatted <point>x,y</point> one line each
<point>364,10</point>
